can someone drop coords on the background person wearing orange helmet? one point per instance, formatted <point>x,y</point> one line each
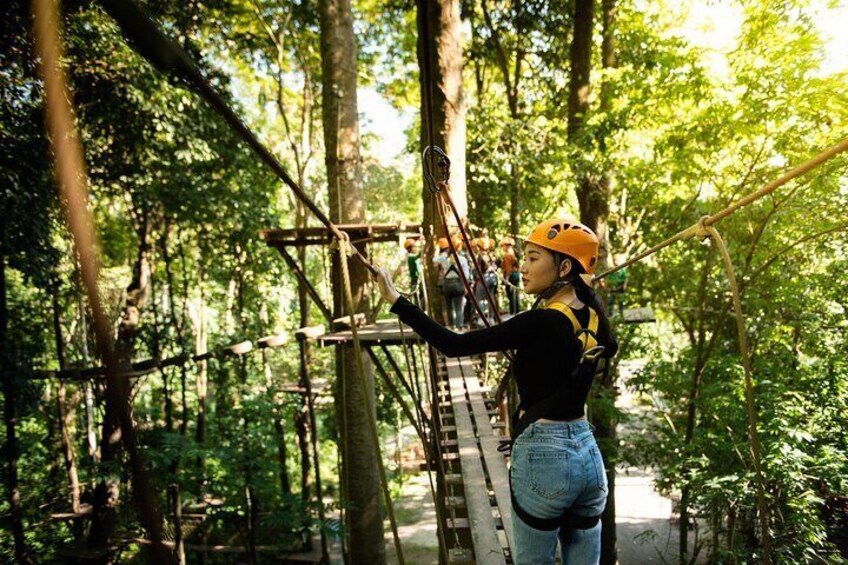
<point>450,282</point>
<point>509,269</point>
<point>557,475</point>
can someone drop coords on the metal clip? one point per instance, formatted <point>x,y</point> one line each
<point>443,163</point>
<point>593,354</point>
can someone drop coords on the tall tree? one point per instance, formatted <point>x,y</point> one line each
<point>9,415</point>
<point>107,492</point>
<point>440,48</point>
<point>593,199</point>
<point>511,64</point>
<point>606,419</point>
<point>360,481</point>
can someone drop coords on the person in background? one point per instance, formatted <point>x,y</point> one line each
<point>451,282</point>
<point>413,264</point>
<point>509,270</point>
<point>489,281</point>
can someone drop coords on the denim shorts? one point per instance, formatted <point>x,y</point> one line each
<point>557,466</point>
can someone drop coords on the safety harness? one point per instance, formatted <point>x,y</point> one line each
<point>591,350</point>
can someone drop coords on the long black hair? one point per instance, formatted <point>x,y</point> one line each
<point>586,294</point>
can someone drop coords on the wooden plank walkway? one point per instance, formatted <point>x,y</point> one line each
<point>470,443</point>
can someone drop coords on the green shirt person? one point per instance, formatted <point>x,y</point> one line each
<point>413,261</point>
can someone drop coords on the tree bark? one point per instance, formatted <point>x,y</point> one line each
<point>65,410</point>
<point>361,483</point>
<point>593,198</point>
<point>90,434</point>
<point>107,492</point>
<point>201,381</point>
<point>510,68</point>
<point>10,394</point>
<point>447,122</point>
<point>591,194</point>
<point>301,420</point>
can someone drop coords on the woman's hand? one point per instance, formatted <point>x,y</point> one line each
<point>387,288</point>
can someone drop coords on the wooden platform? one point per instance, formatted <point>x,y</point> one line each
<point>384,332</point>
<point>478,494</point>
<point>319,235</point>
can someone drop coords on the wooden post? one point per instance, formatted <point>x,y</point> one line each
<point>178,524</point>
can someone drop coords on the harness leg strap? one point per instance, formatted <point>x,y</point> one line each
<point>566,521</point>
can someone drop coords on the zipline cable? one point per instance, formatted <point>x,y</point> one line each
<point>171,59</point>
<point>695,228</point>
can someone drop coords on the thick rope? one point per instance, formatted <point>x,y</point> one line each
<point>344,244</point>
<point>749,392</point>
<point>695,228</point>
<point>72,181</point>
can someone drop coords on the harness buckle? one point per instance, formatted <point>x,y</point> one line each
<point>592,354</point>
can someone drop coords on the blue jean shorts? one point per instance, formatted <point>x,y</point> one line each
<point>557,466</point>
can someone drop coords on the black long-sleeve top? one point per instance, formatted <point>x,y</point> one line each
<point>547,351</point>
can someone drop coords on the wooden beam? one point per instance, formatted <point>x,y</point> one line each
<point>301,277</point>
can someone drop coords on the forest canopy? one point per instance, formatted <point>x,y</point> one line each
<point>683,108</point>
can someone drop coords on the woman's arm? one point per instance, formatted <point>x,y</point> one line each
<point>512,334</point>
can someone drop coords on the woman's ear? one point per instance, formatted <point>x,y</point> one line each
<point>564,268</point>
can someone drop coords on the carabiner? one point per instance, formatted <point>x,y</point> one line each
<point>443,163</point>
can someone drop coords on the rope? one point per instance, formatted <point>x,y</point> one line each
<point>440,205</point>
<point>705,228</point>
<point>167,56</point>
<point>696,228</point>
<point>444,194</point>
<point>749,392</point>
<point>369,408</point>
<point>432,393</point>
<point>72,181</point>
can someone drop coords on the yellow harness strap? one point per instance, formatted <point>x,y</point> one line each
<point>587,336</point>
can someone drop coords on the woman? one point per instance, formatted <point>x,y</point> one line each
<point>558,481</point>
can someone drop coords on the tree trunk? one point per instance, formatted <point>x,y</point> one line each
<point>593,198</point>
<point>201,381</point>
<point>107,492</point>
<point>65,411</point>
<point>361,485</point>
<point>447,122</point>
<point>10,394</point>
<point>90,434</point>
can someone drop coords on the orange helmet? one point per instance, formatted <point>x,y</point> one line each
<point>457,242</point>
<point>443,243</point>
<point>569,238</point>
<point>507,241</point>
<point>484,243</point>
<point>410,241</point>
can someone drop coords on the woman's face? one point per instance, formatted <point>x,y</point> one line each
<point>538,270</point>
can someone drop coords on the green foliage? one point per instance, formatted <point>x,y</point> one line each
<point>683,132</point>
